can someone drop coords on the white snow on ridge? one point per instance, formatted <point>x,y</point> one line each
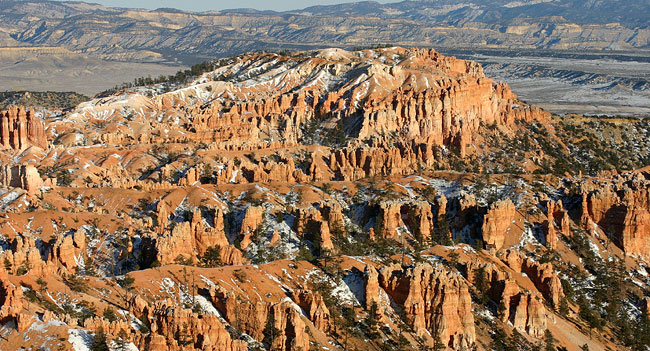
<point>80,339</point>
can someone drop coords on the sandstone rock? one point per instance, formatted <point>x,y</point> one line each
<point>252,318</point>
<point>622,208</point>
<point>11,298</point>
<point>21,176</point>
<point>20,128</point>
<point>436,302</point>
<point>496,223</point>
<point>391,218</point>
<point>371,284</point>
<point>314,305</point>
<point>525,311</point>
<point>170,322</point>
<point>69,249</point>
<point>252,219</point>
<point>543,275</point>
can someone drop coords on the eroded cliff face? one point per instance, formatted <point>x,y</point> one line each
<point>388,111</point>
<point>307,201</point>
<point>619,206</point>
<point>437,303</point>
<point>21,128</point>
<point>21,176</point>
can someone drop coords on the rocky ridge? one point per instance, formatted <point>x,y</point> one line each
<point>324,199</point>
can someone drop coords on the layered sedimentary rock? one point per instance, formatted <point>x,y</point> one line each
<point>21,176</point>
<point>543,275</point>
<point>311,224</point>
<point>497,223</point>
<point>416,217</point>
<point>70,250</point>
<point>620,206</point>
<point>523,309</point>
<point>437,303</point>
<point>371,287</point>
<point>314,305</point>
<point>172,327</point>
<point>189,240</point>
<point>21,128</point>
<point>256,317</point>
<point>395,108</point>
<point>11,298</point>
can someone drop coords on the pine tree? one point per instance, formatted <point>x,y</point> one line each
<point>564,307</point>
<point>549,341</point>
<point>121,341</point>
<point>99,341</point>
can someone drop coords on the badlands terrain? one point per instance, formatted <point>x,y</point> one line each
<point>386,199</point>
<point>572,50</point>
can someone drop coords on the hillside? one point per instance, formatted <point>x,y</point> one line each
<point>323,200</point>
<point>578,57</point>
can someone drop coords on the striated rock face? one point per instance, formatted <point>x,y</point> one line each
<point>172,326</point>
<point>11,298</point>
<point>420,220</point>
<point>621,207</point>
<point>527,314</point>
<point>523,309</point>
<point>20,129</point>
<point>68,250</point>
<point>314,305</point>
<point>416,217</point>
<point>22,176</point>
<point>252,219</point>
<point>371,289</point>
<point>25,255</point>
<point>396,107</point>
<point>255,317</point>
<point>190,240</point>
<point>542,275</point>
<point>390,213</point>
<point>497,222</point>
<point>437,303</point>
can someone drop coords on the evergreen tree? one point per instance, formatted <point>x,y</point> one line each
<point>121,341</point>
<point>499,341</point>
<point>564,307</point>
<point>99,341</point>
<point>549,341</point>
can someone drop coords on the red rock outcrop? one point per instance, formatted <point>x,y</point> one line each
<point>253,217</point>
<point>437,303</point>
<point>20,128</point>
<point>314,306</point>
<point>70,249</point>
<point>420,220</point>
<point>497,223</point>
<point>371,284</point>
<point>21,176</point>
<point>557,220</point>
<point>254,317</point>
<point>621,207</point>
<point>390,218</point>
<point>190,240</point>
<point>172,326</point>
<point>11,298</point>
<point>542,275</point>
<point>524,310</point>
<point>309,221</point>
<point>25,256</point>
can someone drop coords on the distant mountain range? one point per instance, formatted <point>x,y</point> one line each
<point>167,35</point>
